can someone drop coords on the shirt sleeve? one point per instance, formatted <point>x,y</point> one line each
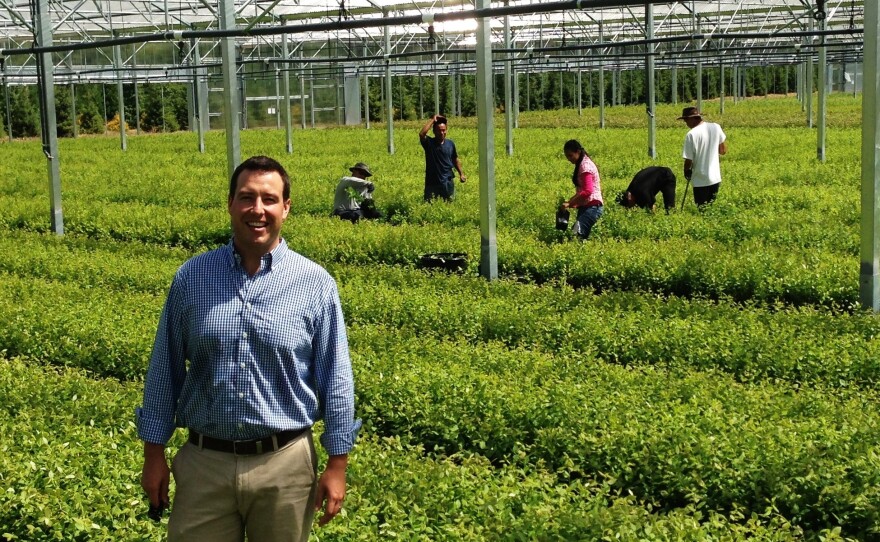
<point>334,378</point>
<point>688,152</point>
<point>361,185</point>
<point>586,183</point>
<point>155,420</point>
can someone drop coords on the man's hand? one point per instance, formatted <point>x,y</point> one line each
<point>331,488</point>
<point>156,475</point>
<point>461,177</point>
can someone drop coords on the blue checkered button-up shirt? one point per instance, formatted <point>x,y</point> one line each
<point>241,357</point>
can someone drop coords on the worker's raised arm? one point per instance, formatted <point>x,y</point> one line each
<point>427,127</point>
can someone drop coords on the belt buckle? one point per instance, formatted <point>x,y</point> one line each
<point>257,443</point>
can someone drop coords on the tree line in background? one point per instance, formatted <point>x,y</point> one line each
<point>165,107</point>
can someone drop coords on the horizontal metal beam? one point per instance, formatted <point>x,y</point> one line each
<point>349,24</point>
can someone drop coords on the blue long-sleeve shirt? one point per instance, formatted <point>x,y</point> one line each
<point>241,357</point>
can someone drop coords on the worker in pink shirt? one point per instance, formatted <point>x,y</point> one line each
<point>588,192</point>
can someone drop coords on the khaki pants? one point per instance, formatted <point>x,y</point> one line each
<point>220,496</point>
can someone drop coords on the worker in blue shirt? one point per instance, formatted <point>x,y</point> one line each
<point>441,157</point>
<point>251,350</point>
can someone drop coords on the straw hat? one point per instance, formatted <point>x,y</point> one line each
<point>363,167</point>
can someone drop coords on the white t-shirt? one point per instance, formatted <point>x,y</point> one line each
<point>701,147</point>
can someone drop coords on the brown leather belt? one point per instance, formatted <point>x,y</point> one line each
<point>246,447</point>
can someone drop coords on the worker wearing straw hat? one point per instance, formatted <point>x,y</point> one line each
<point>704,143</point>
<point>353,199</point>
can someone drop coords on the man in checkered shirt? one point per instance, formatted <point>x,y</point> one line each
<point>251,350</point>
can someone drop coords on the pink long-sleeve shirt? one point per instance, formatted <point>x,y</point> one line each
<point>588,184</point>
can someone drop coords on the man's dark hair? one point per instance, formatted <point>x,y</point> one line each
<point>262,164</point>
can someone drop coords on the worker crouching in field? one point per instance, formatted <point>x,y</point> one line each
<point>354,195</point>
<point>588,192</point>
<point>647,183</point>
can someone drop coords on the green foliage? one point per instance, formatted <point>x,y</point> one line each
<point>71,467</point>
<point>24,111</point>
<point>693,376</point>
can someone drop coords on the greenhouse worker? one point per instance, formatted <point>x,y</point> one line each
<point>250,352</point>
<point>703,145</point>
<point>587,198</point>
<point>647,183</point>
<point>354,195</point>
<point>440,159</point>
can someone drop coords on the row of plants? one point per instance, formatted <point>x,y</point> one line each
<point>673,436</point>
<point>71,465</point>
<point>56,292</point>
<point>776,191</point>
<point>752,270</point>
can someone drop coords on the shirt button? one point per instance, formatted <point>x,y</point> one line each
<point>240,395</point>
<point>243,335</point>
<point>242,365</point>
<point>240,425</point>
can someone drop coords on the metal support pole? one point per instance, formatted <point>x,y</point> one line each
<point>508,91</point>
<point>389,106</point>
<point>288,122</point>
<point>312,96</point>
<point>436,83</point>
<point>137,102</point>
<point>615,76</point>
<point>8,110</point>
<point>580,84</point>
<point>650,82</point>
<point>823,94</point>
<point>590,88</point>
<point>200,98</point>
<point>104,98</point>
<point>601,82</point>
<point>736,85</point>
<point>699,47</point>
<point>421,95</point>
<point>231,96</point>
<point>453,93</point>
<point>674,85</point>
<point>721,82</point>
<point>367,99</point>
<point>120,96</point>
<point>277,97</point>
<point>302,93</point>
<point>49,131</point>
<point>73,110</point>
<point>809,83</point>
<point>486,144</point>
<point>869,274</point>
<point>516,98</point>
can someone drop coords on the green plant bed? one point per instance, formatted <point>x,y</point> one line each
<point>76,477</point>
<point>674,439</point>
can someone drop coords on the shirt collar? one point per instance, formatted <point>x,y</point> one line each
<point>275,256</point>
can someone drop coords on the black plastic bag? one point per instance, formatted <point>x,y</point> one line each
<point>562,216</point>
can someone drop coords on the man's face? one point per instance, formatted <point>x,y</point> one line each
<point>257,211</point>
<point>440,131</point>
